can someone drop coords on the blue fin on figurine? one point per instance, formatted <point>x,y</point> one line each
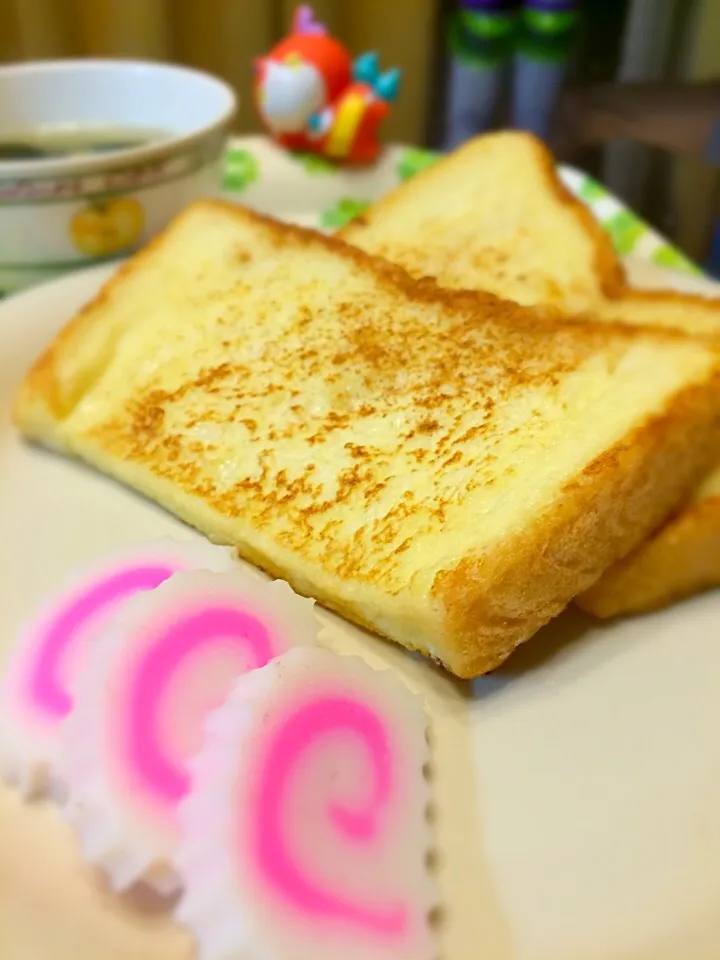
<point>312,96</point>
<point>366,68</point>
<point>387,86</point>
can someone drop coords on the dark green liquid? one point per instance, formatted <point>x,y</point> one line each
<point>48,143</point>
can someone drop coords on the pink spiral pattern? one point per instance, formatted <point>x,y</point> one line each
<point>147,757</point>
<point>360,825</point>
<point>45,689</point>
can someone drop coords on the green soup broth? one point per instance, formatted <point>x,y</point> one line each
<point>54,142</point>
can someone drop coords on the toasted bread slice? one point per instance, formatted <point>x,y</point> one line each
<point>494,215</point>
<point>681,559</point>
<point>447,469</point>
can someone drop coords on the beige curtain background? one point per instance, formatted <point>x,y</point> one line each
<point>223,36</point>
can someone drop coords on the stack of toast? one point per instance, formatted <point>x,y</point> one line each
<point>446,424</point>
<point>533,242</point>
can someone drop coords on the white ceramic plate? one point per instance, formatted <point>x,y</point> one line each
<point>578,788</point>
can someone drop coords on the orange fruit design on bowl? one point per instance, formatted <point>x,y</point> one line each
<point>108,227</point>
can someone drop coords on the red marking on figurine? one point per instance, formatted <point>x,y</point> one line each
<point>312,96</point>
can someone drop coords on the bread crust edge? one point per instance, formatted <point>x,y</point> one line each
<point>681,559</point>
<point>568,550</point>
<point>653,468</point>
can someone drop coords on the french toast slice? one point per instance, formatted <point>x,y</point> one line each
<point>446,469</point>
<point>682,558</point>
<point>494,215</point>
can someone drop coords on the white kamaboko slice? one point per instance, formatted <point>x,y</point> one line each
<point>142,701</point>
<point>306,833</point>
<point>37,689</point>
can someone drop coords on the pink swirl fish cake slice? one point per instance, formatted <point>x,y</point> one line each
<point>306,833</point>
<point>142,702</point>
<point>37,690</point>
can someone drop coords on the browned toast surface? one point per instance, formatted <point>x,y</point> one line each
<point>495,215</point>
<point>419,460</point>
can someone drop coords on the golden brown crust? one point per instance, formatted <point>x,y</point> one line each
<point>608,266</point>
<point>426,291</point>
<point>569,546</point>
<point>496,602</point>
<point>46,394</point>
<point>695,301</point>
<point>683,556</point>
<point>681,559</point>
<point>609,269</point>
